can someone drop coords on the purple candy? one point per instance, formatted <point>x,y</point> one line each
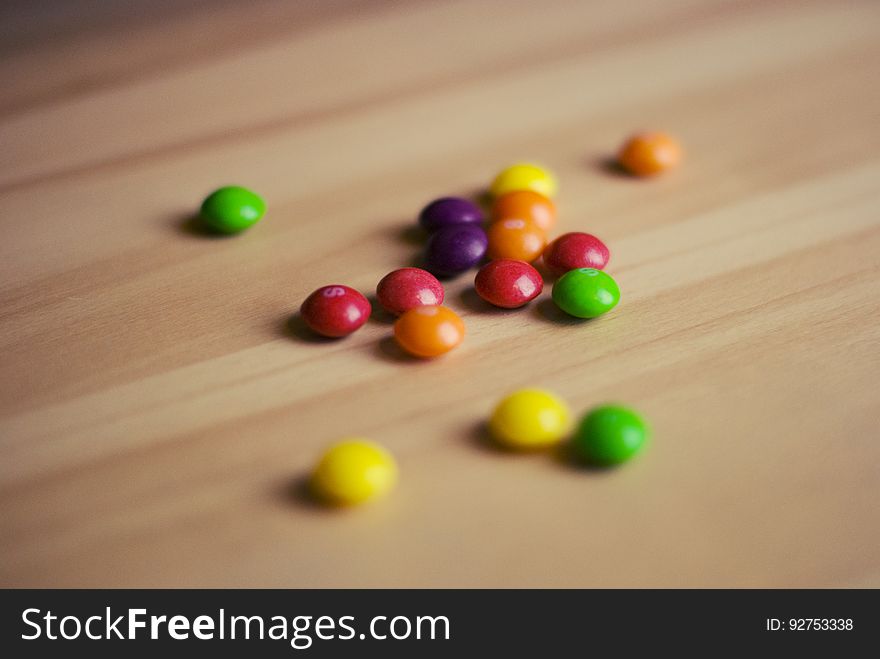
<point>449,211</point>
<point>454,249</point>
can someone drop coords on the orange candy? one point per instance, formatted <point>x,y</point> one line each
<point>647,154</point>
<point>429,331</point>
<point>525,205</point>
<point>515,238</point>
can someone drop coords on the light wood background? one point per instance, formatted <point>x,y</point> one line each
<point>158,411</point>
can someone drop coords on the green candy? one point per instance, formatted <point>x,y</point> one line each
<point>610,435</point>
<point>586,293</point>
<point>232,209</point>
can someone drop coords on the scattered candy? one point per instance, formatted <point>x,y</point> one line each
<point>525,205</point>
<point>524,176</point>
<point>232,209</point>
<point>647,154</point>
<point>575,250</point>
<point>610,435</point>
<point>508,283</point>
<point>449,211</point>
<point>454,249</point>
<point>335,310</point>
<point>429,331</point>
<point>517,239</point>
<point>353,471</point>
<point>403,289</point>
<point>586,292</point>
<point>530,419</point>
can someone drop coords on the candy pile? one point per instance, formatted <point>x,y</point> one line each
<point>521,216</point>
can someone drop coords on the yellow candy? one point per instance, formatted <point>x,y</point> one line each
<point>354,470</point>
<point>530,419</point>
<point>524,176</point>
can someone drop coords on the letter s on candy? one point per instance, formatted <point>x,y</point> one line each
<point>24,618</point>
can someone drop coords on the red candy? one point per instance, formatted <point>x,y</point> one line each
<point>575,250</point>
<point>335,310</point>
<point>508,283</point>
<point>406,288</point>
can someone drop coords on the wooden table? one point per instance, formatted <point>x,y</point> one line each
<point>158,412</point>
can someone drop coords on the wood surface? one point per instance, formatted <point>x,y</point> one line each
<point>158,409</point>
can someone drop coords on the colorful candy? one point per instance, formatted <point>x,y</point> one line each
<point>454,249</point>
<point>515,239</point>
<point>335,310</point>
<point>575,250</point>
<point>586,292</point>
<point>449,211</point>
<point>610,435</point>
<point>530,419</point>
<point>403,289</point>
<point>525,205</point>
<point>524,176</point>
<point>429,331</point>
<point>647,154</point>
<point>508,283</point>
<point>352,471</point>
<point>232,209</point>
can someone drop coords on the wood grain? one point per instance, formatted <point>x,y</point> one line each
<point>158,410</point>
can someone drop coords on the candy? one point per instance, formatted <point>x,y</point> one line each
<point>335,310</point>
<point>508,283</point>
<point>525,205</point>
<point>530,419</point>
<point>448,211</point>
<point>515,239</point>
<point>429,331</point>
<point>352,471</point>
<point>454,249</point>
<point>524,176</point>
<point>609,435</point>
<point>232,209</point>
<point>403,289</point>
<point>575,250</point>
<point>647,154</point>
<point>586,292</point>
